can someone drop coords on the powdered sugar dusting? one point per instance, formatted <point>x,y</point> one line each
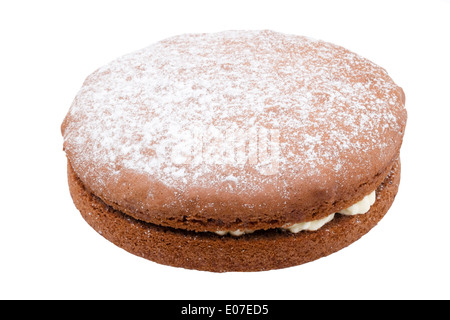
<point>332,108</point>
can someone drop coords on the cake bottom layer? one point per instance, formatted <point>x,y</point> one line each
<point>258,251</point>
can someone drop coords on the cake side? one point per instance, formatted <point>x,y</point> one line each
<point>259,251</point>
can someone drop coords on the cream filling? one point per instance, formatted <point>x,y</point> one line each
<point>360,207</point>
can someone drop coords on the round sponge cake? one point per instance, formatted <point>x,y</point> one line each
<point>235,151</point>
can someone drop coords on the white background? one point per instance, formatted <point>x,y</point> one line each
<point>47,48</point>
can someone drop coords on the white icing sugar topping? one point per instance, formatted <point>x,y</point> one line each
<point>233,109</point>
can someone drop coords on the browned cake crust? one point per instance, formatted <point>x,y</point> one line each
<point>340,119</point>
<point>205,151</point>
<point>262,250</point>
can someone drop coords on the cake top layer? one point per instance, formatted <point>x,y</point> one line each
<point>232,115</point>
